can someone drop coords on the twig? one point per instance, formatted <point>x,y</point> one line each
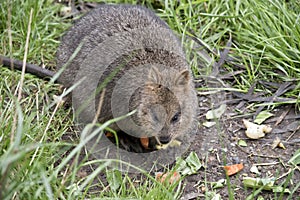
<point>266,164</point>
<point>9,33</point>
<point>285,174</point>
<point>223,56</point>
<point>293,133</point>
<point>282,163</point>
<point>282,116</point>
<point>281,90</point>
<point>30,68</point>
<point>25,56</point>
<point>22,76</point>
<point>99,107</point>
<point>264,156</point>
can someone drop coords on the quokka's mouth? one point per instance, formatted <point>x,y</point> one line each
<point>131,143</point>
<point>173,143</point>
<point>140,145</point>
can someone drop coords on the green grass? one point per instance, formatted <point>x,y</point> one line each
<point>265,45</point>
<point>46,30</point>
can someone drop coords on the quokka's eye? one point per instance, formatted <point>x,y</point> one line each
<point>176,117</point>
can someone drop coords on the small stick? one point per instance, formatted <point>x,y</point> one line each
<point>30,68</point>
<point>282,116</point>
<point>22,77</point>
<point>293,133</point>
<point>285,174</point>
<point>96,117</point>
<point>25,56</point>
<point>264,156</point>
<point>266,164</point>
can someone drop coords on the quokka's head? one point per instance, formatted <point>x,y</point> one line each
<point>163,111</point>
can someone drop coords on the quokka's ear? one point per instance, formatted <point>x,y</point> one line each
<point>154,75</point>
<point>183,78</point>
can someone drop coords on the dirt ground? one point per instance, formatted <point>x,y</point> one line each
<point>218,146</point>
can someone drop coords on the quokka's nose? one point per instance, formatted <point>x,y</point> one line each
<point>164,139</point>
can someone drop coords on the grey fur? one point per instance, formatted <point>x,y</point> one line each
<point>154,77</point>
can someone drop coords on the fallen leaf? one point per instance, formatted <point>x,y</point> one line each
<point>242,143</point>
<point>296,158</point>
<point>280,189</point>
<point>277,143</point>
<point>262,116</point>
<point>255,131</point>
<point>190,165</point>
<point>109,134</point>
<point>260,198</point>
<point>145,142</point>
<point>217,197</point>
<point>114,178</point>
<point>281,145</point>
<point>233,169</point>
<point>216,113</point>
<point>254,169</point>
<point>264,183</point>
<point>213,195</point>
<point>208,124</point>
<point>169,177</point>
<point>219,184</point>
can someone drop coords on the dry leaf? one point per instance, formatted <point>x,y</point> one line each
<point>281,145</point>
<point>255,131</point>
<point>216,113</point>
<point>233,169</point>
<point>109,134</point>
<point>254,169</point>
<point>145,142</point>
<point>262,116</point>
<point>170,177</point>
<point>208,124</point>
<point>242,143</point>
<point>277,143</point>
